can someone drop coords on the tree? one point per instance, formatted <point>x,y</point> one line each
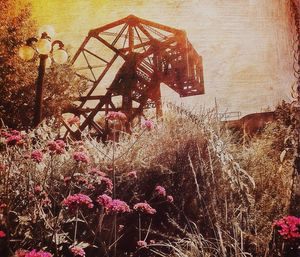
<point>17,77</point>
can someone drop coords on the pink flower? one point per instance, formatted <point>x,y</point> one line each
<point>73,202</point>
<point>13,139</point>
<point>160,191</point>
<point>104,200</point>
<point>21,253</point>
<point>3,205</point>
<point>132,174</point>
<point>170,199</point>
<point>116,116</point>
<point>144,207</point>
<point>77,251</point>
<point>38,189</point>
<point>108,183</point>
<point>118,206</point>
<point>37,156</point>
<point>75,120</point>
<point>288,227</point>
<point>81,157</point>
<point>95,171</point>
<point>67,180</point>
<point>142,243</point>
<point>2,234</point>
<point>148,124</point>
<point>34,253</point>
<point>46,202</point>
<point>57,146</point>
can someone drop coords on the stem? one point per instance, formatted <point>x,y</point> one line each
<point>114,189</point>
<point>140,228</point>
<point>76,222</point>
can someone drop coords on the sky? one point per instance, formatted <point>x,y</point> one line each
<point>245,44</point>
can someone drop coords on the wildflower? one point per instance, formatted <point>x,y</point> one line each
<point>75,120</point>
<point>37,156</point>
<point>132,174</point>
<point>13,140</point>
<point>142,243</point>
<point>95,171</point>
<point>118,206</point>
<point>46,202</point>
<point>116,116</point>
<point>108,183</point>
<point>34,253</point>
<point>144,207</point>
<point>170,199</point>
<point>21,253</point>
<point>3,205</point>
<point>288,227</point>
<point>160,191</point>
<point>57,146</point>
<point>67,180</point>
<point>104,200</point>
<point>73,202</point>
<point>77,251</point>
<point>38,189</point>
<point>91,187</point>
<point>2,234</point>
<point>81,157</point>
<point>148,124</point>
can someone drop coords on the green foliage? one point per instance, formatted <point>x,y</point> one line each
<point>17,77</point>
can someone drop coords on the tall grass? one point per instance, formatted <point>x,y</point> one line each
<point>226,195</point>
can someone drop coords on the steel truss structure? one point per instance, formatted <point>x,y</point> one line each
<point>125,63</point>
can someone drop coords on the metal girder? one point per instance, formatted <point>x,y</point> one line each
<point>139,55</point>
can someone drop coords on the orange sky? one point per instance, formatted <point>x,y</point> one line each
<point>245,44</point>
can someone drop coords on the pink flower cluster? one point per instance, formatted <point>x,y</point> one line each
<point>77,251</point>
<point>144,208</point>
<point>288,227</point>
<point>33,253</point>
<point>148,124</point>
<point>113,206</point>
<point>142,243</point>
<point>12,138</point>
<point>73,202</point>
<point>81,157</point>
<point>161,191</point>
<point>75,120</point>
<point>95,171</point>
<point>2,234</point>
<point>116,116</point>
<point>57,146</point>
<point>132,174</point>
<point>108,183</point>
<point>37,155</point>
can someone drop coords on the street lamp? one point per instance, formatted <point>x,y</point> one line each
<point>45,48</point>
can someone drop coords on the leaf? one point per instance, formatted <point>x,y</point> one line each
<point>282,155</point>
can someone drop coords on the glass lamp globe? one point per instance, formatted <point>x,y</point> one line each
<point>43,46</point>
<point>26,52</point>
<point>47,29</point>
<point>60,56</point>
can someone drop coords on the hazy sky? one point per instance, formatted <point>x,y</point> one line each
<point>245,44</point>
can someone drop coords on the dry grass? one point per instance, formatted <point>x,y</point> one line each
<point>226,195</point>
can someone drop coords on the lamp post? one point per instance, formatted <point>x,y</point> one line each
<point>45,49</point>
